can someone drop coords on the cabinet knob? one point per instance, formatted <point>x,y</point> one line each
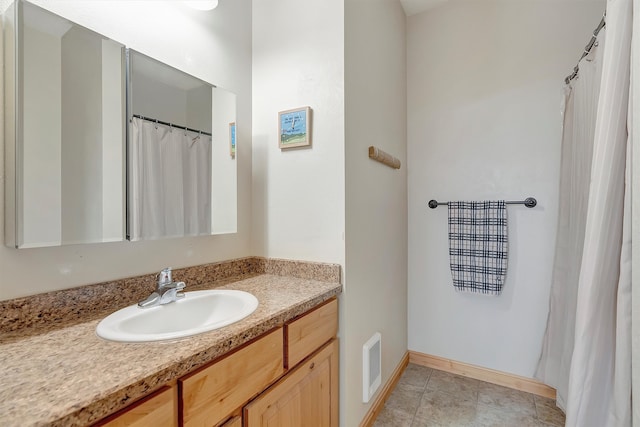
<point>313,365</point>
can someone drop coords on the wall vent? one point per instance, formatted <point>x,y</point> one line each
<point>371,366</point>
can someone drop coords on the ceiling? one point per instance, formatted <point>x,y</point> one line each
<point>412,7</point>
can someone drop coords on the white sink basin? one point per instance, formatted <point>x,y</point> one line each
<point>197,312</point>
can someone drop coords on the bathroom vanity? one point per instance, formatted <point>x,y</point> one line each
<point>293,371</point>
<point>279,363</point>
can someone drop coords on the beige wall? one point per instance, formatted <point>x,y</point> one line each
<point>330,202</point>
<point>375,297</point>
<point>485,83</point>
<point>298,194</point>
<point>214,46</point>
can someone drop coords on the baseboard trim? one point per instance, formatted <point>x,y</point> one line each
<point>504,379</point>
<point>378,403</point>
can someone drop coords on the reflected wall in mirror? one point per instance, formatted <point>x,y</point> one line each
<point>65,131</point>
<point>182,179</point>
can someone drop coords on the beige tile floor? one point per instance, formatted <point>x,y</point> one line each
<point>428,397</point>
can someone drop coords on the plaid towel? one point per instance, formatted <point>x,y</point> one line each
<point>478,246</point>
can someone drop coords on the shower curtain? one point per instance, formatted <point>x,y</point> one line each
<point>580,106</point>
<point>170,182</point>
<point>586,353</point>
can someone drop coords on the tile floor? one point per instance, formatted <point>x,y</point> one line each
<point>428,397</point>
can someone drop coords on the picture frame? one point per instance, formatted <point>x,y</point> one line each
<point>232,139</point>
<point>294,128</point>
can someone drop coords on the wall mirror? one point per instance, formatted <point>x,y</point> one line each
<point>64,93</point>
<point>69,158</point>
<point>181,163</point>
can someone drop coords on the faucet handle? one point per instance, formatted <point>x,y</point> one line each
<point>164,277</point>
<point>179,287</point>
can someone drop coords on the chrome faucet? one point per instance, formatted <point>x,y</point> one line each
<point>166,290</point>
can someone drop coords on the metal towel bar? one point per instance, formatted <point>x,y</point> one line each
<point>529,202</point>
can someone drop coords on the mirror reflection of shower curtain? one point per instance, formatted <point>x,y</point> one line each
<point>170,182</point>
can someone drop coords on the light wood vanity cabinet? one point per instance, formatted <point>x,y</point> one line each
<point>233,422</point>
<point>158,410</point>
<point>209,395</point>
<point>308,332</point>
<point>285,378</point>
<point>307,396</point>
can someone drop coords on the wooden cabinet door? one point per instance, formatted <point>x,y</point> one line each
<point>307,396</point>
<point>233,422</point>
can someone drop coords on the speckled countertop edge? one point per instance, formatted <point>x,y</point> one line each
<point>70,377</point>
<point>45,312</point>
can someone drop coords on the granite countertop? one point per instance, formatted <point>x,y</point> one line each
<point>69,376</point>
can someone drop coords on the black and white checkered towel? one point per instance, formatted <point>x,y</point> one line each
<point>478,246</point>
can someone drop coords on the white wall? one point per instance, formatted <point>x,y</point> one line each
<point>355,83</point>
<point>298,60</point>
<point>214,46</point>
<point>299,194</point>
<point>485,84</point>
<point>375,297</point>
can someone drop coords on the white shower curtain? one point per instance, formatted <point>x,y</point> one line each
<point>580,108</point>
<point>587,353</point>
<point>600,378</point>
<point>170,182</point>
<point>587,349</point>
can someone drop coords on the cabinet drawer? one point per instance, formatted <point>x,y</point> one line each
<point>307,333</point>
<point>209,395</point>
<point>158,409</point>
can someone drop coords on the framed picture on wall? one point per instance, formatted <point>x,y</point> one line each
<point>232,139</point>
<point>294,127</point>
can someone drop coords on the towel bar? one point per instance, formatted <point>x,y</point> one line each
<point>529,202</point>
